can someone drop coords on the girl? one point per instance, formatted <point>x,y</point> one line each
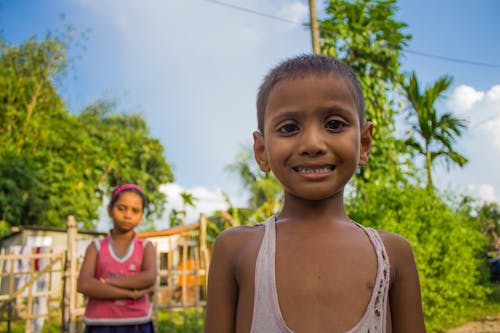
<point>119,271</point>
<point>311,268</point>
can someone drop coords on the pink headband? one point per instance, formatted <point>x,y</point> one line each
<point>125,187</point>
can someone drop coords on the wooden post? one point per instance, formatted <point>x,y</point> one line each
<point>170,279</point>
<point>11,292</point>
<point>69,300</point>
<point>184,282</point>
<point>32,281</point>
<point>204,255</point>
<point>156,291</point>
<point>183,276</point>
<point>314,27</point>
<point>49,285</point>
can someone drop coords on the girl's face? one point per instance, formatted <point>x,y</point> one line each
<point>127,211</point>
<point>313,141</point>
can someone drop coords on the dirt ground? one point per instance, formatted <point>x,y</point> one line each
<point>487,325</point>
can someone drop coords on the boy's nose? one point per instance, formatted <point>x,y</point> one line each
<point>312,143</point>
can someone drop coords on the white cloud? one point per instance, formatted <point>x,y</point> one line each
<point>485,192</point>
<point>206,202</point>
<point>492,127</point>
<point>494,93</point>
<point>463,98</point>
<point>482,109</point>
<point>480,142</point>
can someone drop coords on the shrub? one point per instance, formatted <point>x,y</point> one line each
<point>447,241</point>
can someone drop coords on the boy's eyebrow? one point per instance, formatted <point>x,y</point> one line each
<point>324,110</point>
<point>286,115</point>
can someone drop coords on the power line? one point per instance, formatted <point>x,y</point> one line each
<point>277,18</point>
<point>251,11</point>
<point>476,63</point>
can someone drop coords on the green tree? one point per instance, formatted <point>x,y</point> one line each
<point>20,190</point>
<point>488,215</point>
<point>59,163</point>
<point>365,35</point>
<point>436,133</point>
<point>177,217</point>
<point>120,149</point>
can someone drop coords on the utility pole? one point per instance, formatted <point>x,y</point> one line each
<point>314,27</point>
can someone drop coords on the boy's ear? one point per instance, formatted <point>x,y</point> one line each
<point>366,143</point>
<point>259,151</point>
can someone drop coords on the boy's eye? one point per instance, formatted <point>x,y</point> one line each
<point>288,129</point>
<point>335,125</point>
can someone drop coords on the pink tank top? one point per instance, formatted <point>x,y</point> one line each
<point>267,316</point>
<point>109,264</point>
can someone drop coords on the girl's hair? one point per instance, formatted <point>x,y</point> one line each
<point>128,188</point>
<point>305,65</point>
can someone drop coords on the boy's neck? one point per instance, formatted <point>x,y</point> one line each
<point>328,210</point>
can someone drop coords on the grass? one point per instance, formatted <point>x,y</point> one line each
<point>188,321</point>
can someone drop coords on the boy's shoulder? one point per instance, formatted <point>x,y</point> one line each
<point>394,241</point>
<point>239,234</point>
<point>239,240</point>
<point>398,248</point>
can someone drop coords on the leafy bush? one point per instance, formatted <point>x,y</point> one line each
<point>447,241</point>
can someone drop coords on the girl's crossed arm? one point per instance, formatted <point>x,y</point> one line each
<point>90,286</point>
<point>144,279</point>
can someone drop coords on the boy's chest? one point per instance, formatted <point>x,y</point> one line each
<point>325,269</point>
<point>329,284</point>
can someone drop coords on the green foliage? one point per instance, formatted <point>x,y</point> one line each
<point>436,133</point>
<point>448,245</point>
<point>365,35</point>
<point>120,149</point>
<point>177,217</point>
<point>20,190</point>
<point>58,163</point>
<point>232,216</point>
<point>189,320</point>
<point>488,215</point>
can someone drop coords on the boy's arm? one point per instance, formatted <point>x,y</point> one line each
<point>404,294</point>
<point>222,298</point>
<point>146,278</point>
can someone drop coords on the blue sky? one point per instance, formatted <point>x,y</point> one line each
<point>192,68</point>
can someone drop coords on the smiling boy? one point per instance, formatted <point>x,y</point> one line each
<point>311,268</point>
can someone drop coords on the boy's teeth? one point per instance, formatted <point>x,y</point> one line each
<point>315,170</point>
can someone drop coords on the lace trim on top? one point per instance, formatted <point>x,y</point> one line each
<point>373,320</point>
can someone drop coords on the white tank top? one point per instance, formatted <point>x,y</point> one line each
<point>267,316</point>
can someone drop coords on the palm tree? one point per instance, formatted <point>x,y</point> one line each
<point>437,132</point>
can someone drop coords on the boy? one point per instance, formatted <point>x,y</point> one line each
<point>311,268</point>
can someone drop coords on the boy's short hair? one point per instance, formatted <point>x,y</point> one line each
<point>301,66</point>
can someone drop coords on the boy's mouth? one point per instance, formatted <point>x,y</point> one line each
<point>322,169</point>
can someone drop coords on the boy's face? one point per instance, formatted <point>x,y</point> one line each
<point>312,139</point>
